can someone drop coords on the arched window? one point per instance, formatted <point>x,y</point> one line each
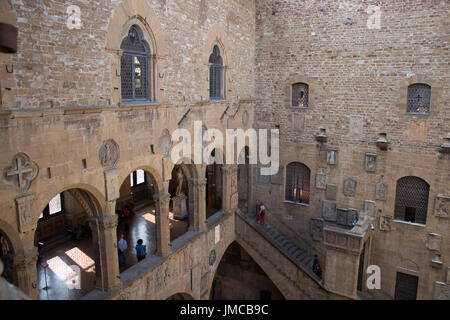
<point>297,183</point>
<point>215,74</point>
<point>134,66</point>
<point>300,93</point>
<point>411,200</point>
<point>419,95</point>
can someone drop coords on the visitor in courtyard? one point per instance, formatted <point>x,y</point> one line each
<point>316,267</point>
<point>262,213</point>
<point>123,246</point>
<point>141,250</point>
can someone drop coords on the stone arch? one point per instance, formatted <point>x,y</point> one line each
<point>277,284</point>
<point>217,36</point>
<point>136,12</point>
<point>157,179</point>
<point>89,194</point>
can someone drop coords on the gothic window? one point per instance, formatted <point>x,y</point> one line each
<point>411,200</point>
<point>134,67</point>
<point>300,95</point>
<point>419,98</point>
<point>215,74</point>
<point>297,183</point>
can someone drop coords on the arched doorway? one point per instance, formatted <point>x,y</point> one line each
<point>213,177</point>
<point>239,277</point>
<point>179,204</point>
<point>136,212</point>
<point>67,260</point>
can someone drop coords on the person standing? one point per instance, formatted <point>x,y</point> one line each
<point>262,213</point>
<point>316,267</point>
<point>141,250</point>
<point>123,246</point>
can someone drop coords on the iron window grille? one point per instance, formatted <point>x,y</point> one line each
<point>300,95</point>
<point>215,74</point>
<point>298,183</point>
<point>411,200</point>
<point>134,67</point>
<point>419,96</point>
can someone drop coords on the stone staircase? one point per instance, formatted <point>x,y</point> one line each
<point>297,255</point>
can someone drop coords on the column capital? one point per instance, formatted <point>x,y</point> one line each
<point>104,223</point>
<point>197,182</point>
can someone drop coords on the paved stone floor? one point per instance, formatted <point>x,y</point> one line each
<point>59,259</point>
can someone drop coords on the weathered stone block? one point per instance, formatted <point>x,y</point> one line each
<point>329,210</point>
<point>331,191</point>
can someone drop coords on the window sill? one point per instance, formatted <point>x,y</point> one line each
<point>300,108</point>
<point>217,99</point>
<point>414,224</point>
<point>296,203</point>
<point>136,102</point>
<point>417,113</point>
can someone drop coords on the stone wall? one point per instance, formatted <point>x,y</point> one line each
<point>358,80</point>
<point>57,66</point>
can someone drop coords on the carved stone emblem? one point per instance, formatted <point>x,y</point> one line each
<point>108,155</point>
<point>21,173</point>
<point>316,228</point>
<point>381,191</point>
<point>385,223</point>
<point>442,206</point>
<point>332,156</point>
<point>369,207</point>
<point>329,210</point>
<point>298,122</point>
<point>434,242</point>
<point>321,181</point>
<point>370,163</point>
<point>349,187</point>
<point>25,214</point>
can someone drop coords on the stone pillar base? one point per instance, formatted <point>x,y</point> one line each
<point>179,207</point>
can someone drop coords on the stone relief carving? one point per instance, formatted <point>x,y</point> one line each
<point>21,173</point>
<point>24,213</point>
<point>298,122</point>
<point>434,242</point>
<point>321,181</point>
<point>165,143</point>
<point>316,228</point>
<point>108,154</point>
<point>385,223</point>
<point>349,187</point>
<point>381,191</point>
<point>332,156</point>
<point>442,206</point>
<point>341,216</point>
<point>370,163</point>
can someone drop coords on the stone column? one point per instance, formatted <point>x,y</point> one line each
<point>162,224</point>
<point>197,205</point>
<point>25,273</point>
<point>229,190</point>
<point>104,237</point>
